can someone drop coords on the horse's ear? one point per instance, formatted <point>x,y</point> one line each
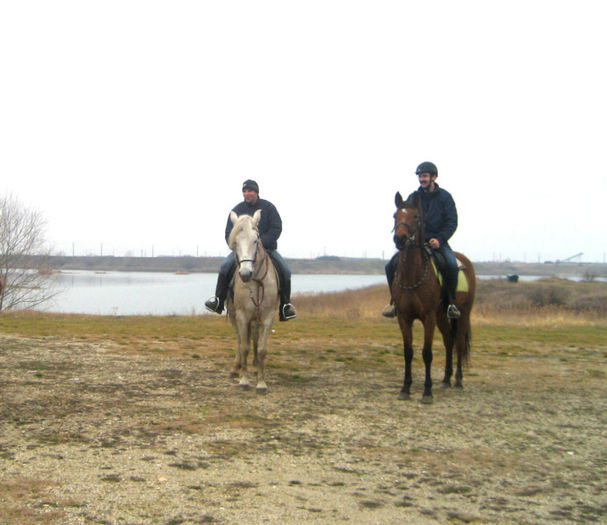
<point>233,216</point>
<point>256,217</point>
<point>398,199</point>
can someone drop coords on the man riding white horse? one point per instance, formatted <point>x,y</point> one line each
<point>270,228</point>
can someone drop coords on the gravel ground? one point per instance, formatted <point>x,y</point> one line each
<point>94,434</point>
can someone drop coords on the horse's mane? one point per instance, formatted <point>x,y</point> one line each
<point>411,202</point>
<point>239,225</point>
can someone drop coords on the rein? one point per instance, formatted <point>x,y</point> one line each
<point>423,277</point>
<point>261,290</point>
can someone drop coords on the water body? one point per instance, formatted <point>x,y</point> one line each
<point>160,293</point>
<point>157,293</point>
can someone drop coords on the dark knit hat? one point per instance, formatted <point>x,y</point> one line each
<point>427,167</point>
<point>250,185</point>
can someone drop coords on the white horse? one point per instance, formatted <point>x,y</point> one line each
<point>255,301</point>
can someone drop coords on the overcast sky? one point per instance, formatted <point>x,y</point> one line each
<point>131,125</point>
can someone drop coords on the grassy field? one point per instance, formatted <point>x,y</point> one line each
<point>133,419</point>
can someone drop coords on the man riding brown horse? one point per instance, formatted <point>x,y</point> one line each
<point>440,221</point>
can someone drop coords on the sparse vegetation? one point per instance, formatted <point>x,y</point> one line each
<point>544,298</point>
<point>134,419</point>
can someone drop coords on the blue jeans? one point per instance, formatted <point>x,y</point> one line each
<point>449,272</point>
<point>228,266</point>
<point>451,263</point>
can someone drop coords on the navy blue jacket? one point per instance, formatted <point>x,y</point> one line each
<point>439,212</point>
<point>270,223</point>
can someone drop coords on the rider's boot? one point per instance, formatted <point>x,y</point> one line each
<point>389,310</point>
<point>287,310</point>
<point>452,310</point>
<point>215,304</point>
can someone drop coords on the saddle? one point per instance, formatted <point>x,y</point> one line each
<point>439,265</point>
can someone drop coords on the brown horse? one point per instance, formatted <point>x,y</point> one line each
<point>417,295</point>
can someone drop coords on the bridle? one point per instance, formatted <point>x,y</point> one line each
<point>412,241</point>
<point>258,301</point>
<point>254,259</point>
<point>412,232</point>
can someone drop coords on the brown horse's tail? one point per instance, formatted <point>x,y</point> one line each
<point>464,351</point>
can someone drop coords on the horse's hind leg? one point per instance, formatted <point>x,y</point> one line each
<point>448,341</point>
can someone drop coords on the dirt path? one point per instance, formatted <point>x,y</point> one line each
<point>94,434</point>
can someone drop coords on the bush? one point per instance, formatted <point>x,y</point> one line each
<point>592,302</point>
<point>549,295</point>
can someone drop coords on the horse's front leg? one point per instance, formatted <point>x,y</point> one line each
<point>235,372</point>
<point>244,336</point>
<point>405,327</point>
<point>429,326</point>
<point>262,345</point>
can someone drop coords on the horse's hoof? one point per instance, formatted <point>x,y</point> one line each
<point>244,385</point>
<point>445,385</point>
<point>262,390</point>
<point>427,400</point>
<point>404,396</point>
<point>233,375</point>
<point>459,386</point>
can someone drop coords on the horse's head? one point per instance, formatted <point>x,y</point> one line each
<point>407,221</point>
<point>244,242</point>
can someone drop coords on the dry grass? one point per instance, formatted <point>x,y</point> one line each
<point>546,302</point>
<point>134,419</point>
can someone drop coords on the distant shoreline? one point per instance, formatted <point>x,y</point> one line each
<point>319,265</point>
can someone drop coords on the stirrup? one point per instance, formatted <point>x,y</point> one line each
<point>453,312</point>
<point>287,311</point>
<point>389,311</point>
<point>215,305</point>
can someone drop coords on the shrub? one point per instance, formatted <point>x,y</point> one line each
<point>549,295</point>
<point>591,302</point>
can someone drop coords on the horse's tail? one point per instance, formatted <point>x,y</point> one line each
<point>466,349</point>
<point>463,351</point>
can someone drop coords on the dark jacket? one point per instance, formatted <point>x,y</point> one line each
<point>270,223</point>
<point>439,212</point>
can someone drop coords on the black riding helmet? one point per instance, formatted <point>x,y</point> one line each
<point>427,167</point>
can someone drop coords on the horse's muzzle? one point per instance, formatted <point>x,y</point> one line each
<point>245,274</point>
<point>400,241</point>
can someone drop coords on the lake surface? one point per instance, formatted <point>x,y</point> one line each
<point>163,293</point>
<point>157,293</point>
